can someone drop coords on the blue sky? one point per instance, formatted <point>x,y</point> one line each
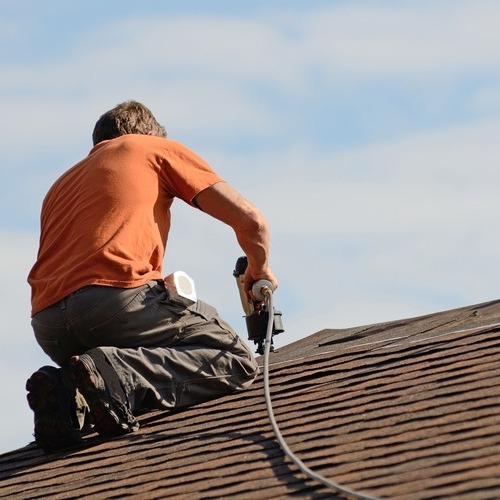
<point>366,131</point>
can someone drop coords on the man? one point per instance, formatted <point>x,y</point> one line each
<point>123,339</point>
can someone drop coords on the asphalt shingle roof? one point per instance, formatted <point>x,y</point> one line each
<point>408,409</point>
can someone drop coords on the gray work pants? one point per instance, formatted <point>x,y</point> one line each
<point>166,355</point>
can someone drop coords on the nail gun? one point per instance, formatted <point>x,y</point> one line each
<point>256,313</point>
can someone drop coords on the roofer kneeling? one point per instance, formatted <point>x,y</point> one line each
<point>123,339</point>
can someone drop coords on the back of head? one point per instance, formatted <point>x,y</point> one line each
<point>130,117</point>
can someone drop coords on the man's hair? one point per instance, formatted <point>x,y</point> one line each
<point>129,117</point>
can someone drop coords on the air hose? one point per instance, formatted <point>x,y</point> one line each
<point>267,292</point>
<point>263,321</point>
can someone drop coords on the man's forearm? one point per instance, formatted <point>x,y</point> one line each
<point>252,234</point>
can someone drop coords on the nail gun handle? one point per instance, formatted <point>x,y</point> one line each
<point>239,274</point>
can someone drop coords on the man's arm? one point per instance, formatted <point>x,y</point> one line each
<point>252,232</point>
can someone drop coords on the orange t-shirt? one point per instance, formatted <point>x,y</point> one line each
<point>106,220</point>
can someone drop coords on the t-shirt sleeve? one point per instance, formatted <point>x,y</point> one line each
<point>184,174</point>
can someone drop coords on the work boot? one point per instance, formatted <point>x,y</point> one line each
<point>52,398</point>
<point>99,384</point>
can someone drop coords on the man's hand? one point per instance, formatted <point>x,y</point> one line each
<point>249,280</point>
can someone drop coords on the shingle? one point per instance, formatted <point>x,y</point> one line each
<point>408,409</point>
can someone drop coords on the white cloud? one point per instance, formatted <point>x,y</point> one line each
<point>203,70</point>
<point>487,99</point>
<point>403,39</point>
<point>422,180</point>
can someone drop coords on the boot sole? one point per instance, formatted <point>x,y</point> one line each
<point>51,405</point>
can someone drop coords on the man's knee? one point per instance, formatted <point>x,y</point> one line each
<point>249,370</point>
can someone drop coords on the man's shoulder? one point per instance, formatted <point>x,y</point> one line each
<point>149,140</point>
<point>160,150</point>
<point>147,143</point>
